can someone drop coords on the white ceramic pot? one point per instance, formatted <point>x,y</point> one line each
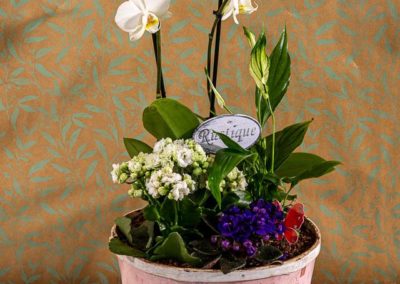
<point>297,270</point>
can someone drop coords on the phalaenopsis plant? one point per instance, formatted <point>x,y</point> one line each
<point>230,209</point>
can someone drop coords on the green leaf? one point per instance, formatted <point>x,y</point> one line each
<point>229,199</point>
<point>286,141</point>
<point>173,247</point>
<point>190,213</point>
<point>297,163</point>
<point>167,210</point>
<point>267,254</point>
<point>119,247</point>
<point>168,118</point>
<point>225,161</point>
<point>134,147</point>
<point>301,166</point>
<point>317,171</point>
<point>231,144</point>
<point>124,225</point>
<point>231,264</point>
<point>250,37</point>
<point>151,213</point>
<point>142,236</point>
<point>259,63</point>
<point>279,72</point>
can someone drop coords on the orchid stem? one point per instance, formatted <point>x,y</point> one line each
<point>157,51</point>
<point>215,28</point>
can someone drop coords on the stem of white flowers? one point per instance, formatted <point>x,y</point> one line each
<point>157,51</point>
<point>215,28</point>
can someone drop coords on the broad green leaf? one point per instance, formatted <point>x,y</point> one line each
<point>279,72</point>
<point>225,161</point>
<point>230,264</point>
<point>231,144</point>
<point>142,236</point>
<point>267,254</point>
<point>301,166</point>
<point>134,147</point>
<point>173,247</point>
<point>259,63</point>
<point>124,225</point>
<point>151,213</point>
<point>317,171</point>
<point>297,163</point>
<point>229,199</point>
<point>167,210</point>
<point>190,213</point>
<point>168,118</point>
<point>286,141</point>
<point>119,247</point>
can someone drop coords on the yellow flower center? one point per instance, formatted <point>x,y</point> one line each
<point>152,22</point>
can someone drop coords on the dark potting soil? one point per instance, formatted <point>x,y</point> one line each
<point>307,238</point>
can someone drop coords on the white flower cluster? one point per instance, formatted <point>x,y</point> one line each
<point>174,169</point>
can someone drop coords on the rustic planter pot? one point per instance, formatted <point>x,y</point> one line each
<point>297,270</point>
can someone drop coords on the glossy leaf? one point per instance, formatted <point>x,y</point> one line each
<point>259,63</point>
<point>173,247</point>
<point>229,264</point>
<point>287,140</point>
<point>119,247</point>
<point>297,163</point>
<point>279,72</point>
<point>251,38</point>
<point>134,147</point>
<point>151,213</point>
<point>225,161</point>
<point>190,213</point>
<point>124,225</point>
<point>317,170</point>
<point>169,118</point>
<point>231,144</point>
<point>268,254</point>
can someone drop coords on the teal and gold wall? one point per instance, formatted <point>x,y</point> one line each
<point>72,86</point>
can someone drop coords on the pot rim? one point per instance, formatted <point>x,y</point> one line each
<point>215,275</point>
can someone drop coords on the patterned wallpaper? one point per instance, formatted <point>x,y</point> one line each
<point>72,86</point>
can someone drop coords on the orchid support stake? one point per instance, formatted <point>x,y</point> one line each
<point>157,51</point>
<point>215,28</point>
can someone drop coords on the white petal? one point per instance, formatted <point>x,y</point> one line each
<point>139,31</point>
<point>158,7</point>
<point>246,7</point>
<point>228,10</point>
<point>128,17</point>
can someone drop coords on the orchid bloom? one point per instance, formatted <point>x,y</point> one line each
<point>236,7</point>
<point>138,16</point>
<point>293,222</point>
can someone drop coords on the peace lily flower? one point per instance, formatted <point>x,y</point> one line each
<point>138,16</point>
<point>236,7</point>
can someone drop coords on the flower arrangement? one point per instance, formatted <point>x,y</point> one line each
<point>227,209</point>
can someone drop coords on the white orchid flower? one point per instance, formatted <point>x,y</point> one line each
<point>236,7</point>
<point>138,16</point>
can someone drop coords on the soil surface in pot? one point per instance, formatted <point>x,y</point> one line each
<point>306,240</point>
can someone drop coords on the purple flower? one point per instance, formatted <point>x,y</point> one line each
<point>243,229</point>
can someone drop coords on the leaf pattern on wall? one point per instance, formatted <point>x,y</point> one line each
<point>72,86</point>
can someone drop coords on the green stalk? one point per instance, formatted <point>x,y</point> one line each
<point>176,213</point>
<point>159,72</point>
<point>273,135</point>
<point>154,37</point>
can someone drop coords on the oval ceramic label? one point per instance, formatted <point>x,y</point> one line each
<point>243,129</point>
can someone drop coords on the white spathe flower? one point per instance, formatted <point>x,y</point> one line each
<point>236,7</point>
<point>138,16</point>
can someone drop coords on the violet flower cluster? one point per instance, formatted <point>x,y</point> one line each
<point>244,229</point>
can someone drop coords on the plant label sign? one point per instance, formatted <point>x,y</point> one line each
<point>243,129</point>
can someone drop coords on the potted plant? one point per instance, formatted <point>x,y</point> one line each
<point>220,206</point>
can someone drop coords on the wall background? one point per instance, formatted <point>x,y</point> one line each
<point>72,87</point>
